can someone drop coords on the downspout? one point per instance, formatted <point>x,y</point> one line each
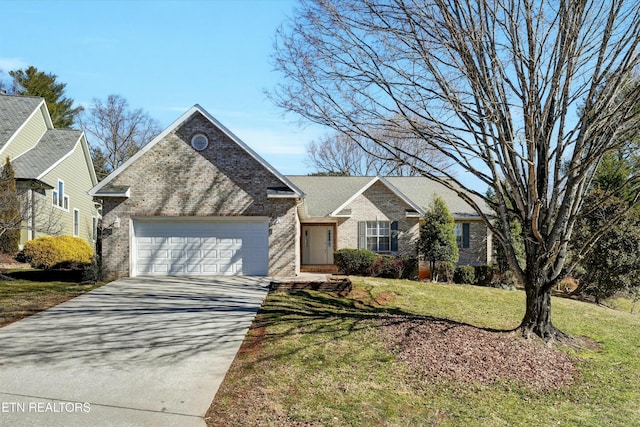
<point>33,213</point>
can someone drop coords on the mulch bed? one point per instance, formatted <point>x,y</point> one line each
<point>443,350</point>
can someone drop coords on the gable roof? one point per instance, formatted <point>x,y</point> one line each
<point>327,196</point>
<point>422,190</point>
<point>324,194</point>
<point>104,184</point>
<point>15,111</point>
<point>52,148</point>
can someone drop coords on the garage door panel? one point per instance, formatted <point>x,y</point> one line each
<point>199,247</point>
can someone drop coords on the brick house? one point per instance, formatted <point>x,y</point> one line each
<point>198,201</point>
<point>380,214</point>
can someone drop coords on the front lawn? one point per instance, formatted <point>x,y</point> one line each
<point>401,353</point>
<point>35,291</point>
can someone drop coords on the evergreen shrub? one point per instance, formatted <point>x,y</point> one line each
<point>464,275</point>
<point>58,252</point>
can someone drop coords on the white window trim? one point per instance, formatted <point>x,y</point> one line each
<point>378,235</point>
<point>76,224</point>
<point>60,198</point>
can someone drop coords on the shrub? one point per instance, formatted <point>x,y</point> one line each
<point>444,272</point>
<point>354,261</point>
<point>505,280</point>
<point>484,274</point>
<point>464,275</point>
<point>394,267</point>
<point>93,273</point>
<point>57,252</point>
<point>409,267</point>
<point>567,285</point>
<point>384,266</point>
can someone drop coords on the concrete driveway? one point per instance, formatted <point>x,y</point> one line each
<point>135,352</point>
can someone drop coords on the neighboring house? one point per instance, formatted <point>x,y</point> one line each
<point>53,171</point>
<point>198,201</point>
<point>379,214</point>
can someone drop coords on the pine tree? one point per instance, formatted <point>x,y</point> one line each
<point>31,82</point>
<point>437,239</point>
<point>9,211</point>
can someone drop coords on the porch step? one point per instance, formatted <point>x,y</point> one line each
<point>319,268</point>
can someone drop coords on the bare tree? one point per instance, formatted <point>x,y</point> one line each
<point>523,95</point>
<point>338,154</point>
<point>115,133</point>
<point>335,155</point>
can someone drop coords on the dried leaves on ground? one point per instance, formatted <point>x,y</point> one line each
<point>442,350</point>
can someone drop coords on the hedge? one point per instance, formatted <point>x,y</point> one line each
<point>354,261</point>
<point>362,262</point>
<point>56,252</point>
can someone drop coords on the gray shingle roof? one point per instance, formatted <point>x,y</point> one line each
<point>53,146</point>
<point>14,111</point>
<point>421,191</point>
<point>324,194</point>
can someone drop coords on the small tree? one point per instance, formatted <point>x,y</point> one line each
<point>612,263</point>
<point>10,217</point>
<point>437,240</point>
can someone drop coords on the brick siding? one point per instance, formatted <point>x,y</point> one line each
<point>381,204</point>
<point>173,179</point>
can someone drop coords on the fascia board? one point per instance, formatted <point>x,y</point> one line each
<point>354,196</point>
<point>402,196</point>
<point>61,159</point>
<point>250,151</point>
<point>175,125</point>
<point>47,119</point>
<point>142,151</point>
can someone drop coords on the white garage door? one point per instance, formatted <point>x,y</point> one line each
<point>238,247</point>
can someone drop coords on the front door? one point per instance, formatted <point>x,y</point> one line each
<point>317,244</point>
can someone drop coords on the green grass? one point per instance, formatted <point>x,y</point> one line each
<point>317,359</point>
<point>34,291</point>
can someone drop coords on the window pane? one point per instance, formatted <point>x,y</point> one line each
<point>384,228</point>
<point>60,193</point>
<point>383,244</point>
<point>55,197</point>
<point>66,202</point>
<point>372,229</point>
<point>372,244</point>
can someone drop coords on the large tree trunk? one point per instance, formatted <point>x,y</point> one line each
<point>537,317</point>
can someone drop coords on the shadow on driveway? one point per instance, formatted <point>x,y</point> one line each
<point>151,344</point>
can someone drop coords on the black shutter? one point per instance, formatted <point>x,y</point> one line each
<point>394,236</point>
<point>465,235</point>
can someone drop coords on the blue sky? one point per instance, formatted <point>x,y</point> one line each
<point>164,57</point>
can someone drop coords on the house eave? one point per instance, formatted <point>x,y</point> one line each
<point>106,193</point>
<point>36,183</point>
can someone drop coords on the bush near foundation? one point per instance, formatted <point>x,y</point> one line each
<point>58,252</point>
<point>464,275</point>
<point>354,261</point>
<point>394,267</point>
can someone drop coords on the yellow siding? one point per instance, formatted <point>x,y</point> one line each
<point>74,172</point>
<point>26,138</point>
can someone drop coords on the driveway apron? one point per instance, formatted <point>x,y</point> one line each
<point>135,352</point>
